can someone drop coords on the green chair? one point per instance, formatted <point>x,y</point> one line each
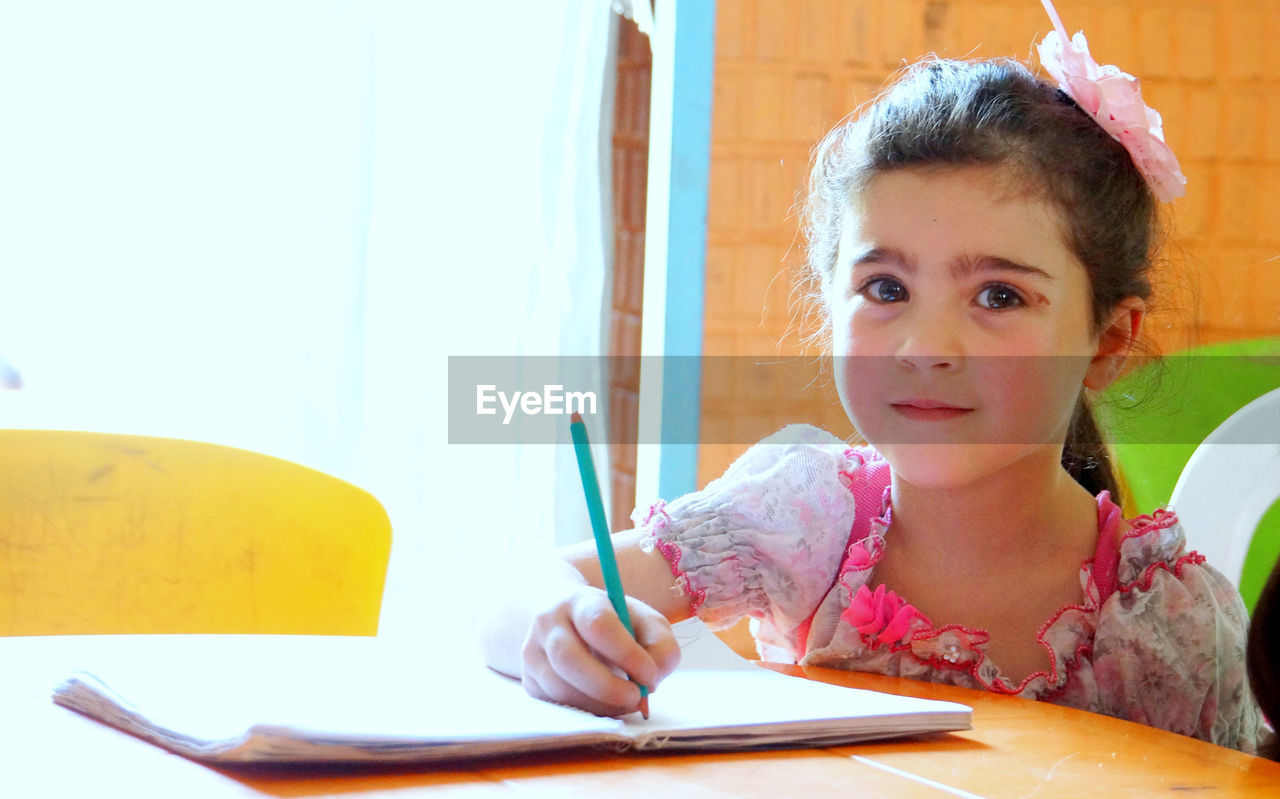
<point>1159,414</point>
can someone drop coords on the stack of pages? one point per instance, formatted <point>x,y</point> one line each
<point>416,707</point>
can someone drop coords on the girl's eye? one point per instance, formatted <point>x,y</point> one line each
<point>883,290</point>
<point>999,297</point>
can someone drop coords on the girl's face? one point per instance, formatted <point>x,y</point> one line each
<point>961,323</point>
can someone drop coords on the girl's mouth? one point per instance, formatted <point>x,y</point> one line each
<point>923,410</point>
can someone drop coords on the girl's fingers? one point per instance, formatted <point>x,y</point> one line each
<point>599,627</point>
<point>589,670</point>
<point>580,653</point>
<point>653,633</point>
<point>550,687</point>
<point>575,677</point>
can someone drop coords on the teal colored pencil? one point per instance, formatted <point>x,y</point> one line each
<point>600,529</point>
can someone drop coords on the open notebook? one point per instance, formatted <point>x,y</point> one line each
<point>423,709</point>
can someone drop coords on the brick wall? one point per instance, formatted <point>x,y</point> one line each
<point>630,176</point>
<point>785,72</point>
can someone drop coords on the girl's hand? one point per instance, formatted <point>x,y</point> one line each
<point>578,653</point>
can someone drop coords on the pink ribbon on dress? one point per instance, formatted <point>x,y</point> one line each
<point>881,615</point>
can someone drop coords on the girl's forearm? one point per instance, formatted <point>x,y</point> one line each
<point>502,620</point>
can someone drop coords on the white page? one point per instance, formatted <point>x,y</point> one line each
<point>700,648</point>
<point>211,701</point>
<point>361,690</point>
<point>389,698</point>
<point>756,698</point>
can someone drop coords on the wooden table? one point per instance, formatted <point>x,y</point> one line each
<point>1017,748</point>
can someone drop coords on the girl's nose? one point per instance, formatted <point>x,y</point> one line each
<point>932,344</point>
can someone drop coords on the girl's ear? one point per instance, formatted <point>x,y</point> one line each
<point>1115,342</point>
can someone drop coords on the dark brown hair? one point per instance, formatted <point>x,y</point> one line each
<point>1263,657</point>
<point>996,113</point>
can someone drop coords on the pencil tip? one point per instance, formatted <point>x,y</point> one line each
<point>575,418</point>
<point>644,707</point>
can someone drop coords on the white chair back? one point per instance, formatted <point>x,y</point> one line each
<point>1229,483</point>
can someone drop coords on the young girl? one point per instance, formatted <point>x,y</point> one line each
<point>982,242</point>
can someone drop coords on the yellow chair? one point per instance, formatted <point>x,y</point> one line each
<point>103,533</point>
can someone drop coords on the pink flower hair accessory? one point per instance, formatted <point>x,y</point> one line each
<point>1114,99</point>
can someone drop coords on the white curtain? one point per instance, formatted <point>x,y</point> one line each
<point>269,223</point>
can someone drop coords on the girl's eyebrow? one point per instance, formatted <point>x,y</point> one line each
<point>963,267</point>
<point>885,255</point>
<point>960,267</point>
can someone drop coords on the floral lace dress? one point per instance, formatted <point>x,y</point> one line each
<point>791,535</point>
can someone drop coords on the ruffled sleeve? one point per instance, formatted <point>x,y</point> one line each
<point>1170,645</point>
<point>766,538</point>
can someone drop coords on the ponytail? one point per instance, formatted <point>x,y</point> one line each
<point>1085,455</point>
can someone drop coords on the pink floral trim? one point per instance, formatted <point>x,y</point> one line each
<point>1057,679</point>
<point>1070,665</point>
<point>1162,520</point>
<point>879,616</point>
<point>671,551</point>
<point>855,461</point>
<point>1053,676</point>
<point>885,517</point>
<point>1143,583</point>
<point>1157,520</point>
<point>657,519</point>
<point>862,555</point>
<point>866,552</point>
<point>971,639</point>
<point>659,510</point>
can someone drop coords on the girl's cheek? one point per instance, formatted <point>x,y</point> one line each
<point>841,327</point>
<point>864,330</point>
<point>850,312</point>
